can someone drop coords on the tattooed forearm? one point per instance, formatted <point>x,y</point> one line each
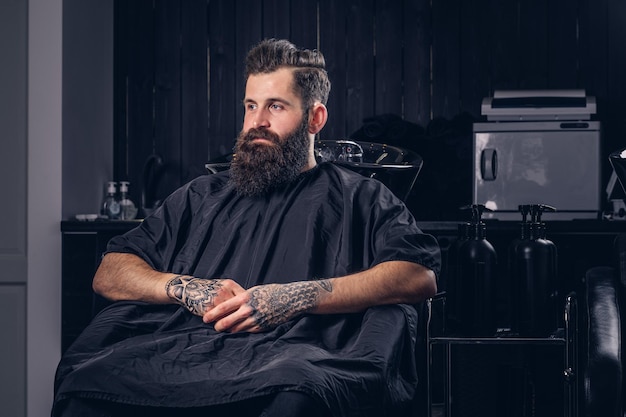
<point>274,304</point>
<point>325,284</point>
<point>194,293</point>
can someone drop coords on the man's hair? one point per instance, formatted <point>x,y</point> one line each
<point>311,81</point>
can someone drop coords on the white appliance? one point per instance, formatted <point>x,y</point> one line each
<point>539,147</point>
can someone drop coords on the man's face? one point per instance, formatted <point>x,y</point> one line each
<point>271,103</point>
<point>274,145</point>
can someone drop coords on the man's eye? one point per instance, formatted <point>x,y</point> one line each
<point>250,107</point>
<point>276,107</point>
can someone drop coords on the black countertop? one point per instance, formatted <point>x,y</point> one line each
<point>590,226</point>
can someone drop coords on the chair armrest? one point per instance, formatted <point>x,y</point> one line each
<point>603,371</point>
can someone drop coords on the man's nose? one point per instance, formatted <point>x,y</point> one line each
<point>261,119</point>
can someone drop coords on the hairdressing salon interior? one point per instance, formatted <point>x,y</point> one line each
<point>501,125</point>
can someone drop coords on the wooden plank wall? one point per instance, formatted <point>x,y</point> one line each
<point>364,42</point>
<point>431,62</point>
<point>161,92</point>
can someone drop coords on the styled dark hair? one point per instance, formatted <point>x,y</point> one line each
<point>310,78</point>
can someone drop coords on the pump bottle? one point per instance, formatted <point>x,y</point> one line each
<point>533,270</point>
<point>512,264</point>
<point>110,206</point>
<point>476,271</point>
<point>128,208</point>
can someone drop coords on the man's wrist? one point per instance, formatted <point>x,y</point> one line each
<point>195,294</point>
<point>174,289</point>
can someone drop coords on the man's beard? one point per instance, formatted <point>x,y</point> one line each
<point>258,168</point>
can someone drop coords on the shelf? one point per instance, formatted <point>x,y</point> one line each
<point>116,226</point>
<point>498,340</point>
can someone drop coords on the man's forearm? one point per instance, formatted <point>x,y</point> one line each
<point>123,276</point>
<point>391,282</point>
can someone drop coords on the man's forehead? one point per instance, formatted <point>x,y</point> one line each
<point>271,83</point>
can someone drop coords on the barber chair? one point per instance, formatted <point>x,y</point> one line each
<point>398,169</point>
<point>395,167</point>
<point>603,369</point>
<point>604,388</point>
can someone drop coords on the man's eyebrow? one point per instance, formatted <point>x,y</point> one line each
<point>269,100</point>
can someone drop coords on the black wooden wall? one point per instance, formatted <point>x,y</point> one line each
<point>179,86</point>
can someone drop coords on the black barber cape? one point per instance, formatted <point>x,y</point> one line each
<point>328,223</point>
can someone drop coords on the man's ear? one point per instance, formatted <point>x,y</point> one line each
<point>318,116</point>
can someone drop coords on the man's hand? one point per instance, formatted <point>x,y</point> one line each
<point>264,307</point>
<point>200,295</point>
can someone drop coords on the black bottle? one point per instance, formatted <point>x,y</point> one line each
<point>533,270</point>
<point>512,265</point>
<point>476,270</point>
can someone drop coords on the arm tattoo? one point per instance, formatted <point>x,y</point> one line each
<point>194,293</point>
<point>275,304</point>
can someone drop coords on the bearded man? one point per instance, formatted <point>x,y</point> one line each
<point>281,287</point>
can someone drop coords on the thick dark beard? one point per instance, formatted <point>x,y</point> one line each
<point>257,168</point>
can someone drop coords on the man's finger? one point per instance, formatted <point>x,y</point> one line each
<point>223,309</point>
<point>236,321</point>
<point>247,325</point>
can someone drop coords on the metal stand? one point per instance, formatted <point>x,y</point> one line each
<point>568,341</point>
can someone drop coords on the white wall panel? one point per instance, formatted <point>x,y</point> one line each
<point>13,41</point>
<point>13,350</point>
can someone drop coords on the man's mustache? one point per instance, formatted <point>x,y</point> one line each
<point>253,133</point>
